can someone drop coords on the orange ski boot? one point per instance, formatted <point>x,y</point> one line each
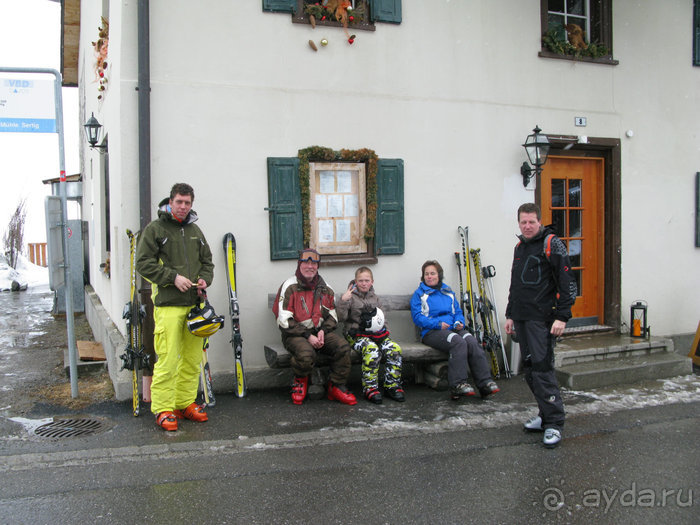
<point>167,421</point>
<point>193,412</point>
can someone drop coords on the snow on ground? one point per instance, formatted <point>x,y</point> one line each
<point>31,424</point>
<point>681,389</point>
<point>450,416</point>
<point>26,274</point>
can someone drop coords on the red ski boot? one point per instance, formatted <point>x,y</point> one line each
<point>299,388</point>
<point>340,393</point>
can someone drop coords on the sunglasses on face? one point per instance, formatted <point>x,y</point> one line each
<point>309,255</point>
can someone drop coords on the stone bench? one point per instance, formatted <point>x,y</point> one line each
<point>430,365</point>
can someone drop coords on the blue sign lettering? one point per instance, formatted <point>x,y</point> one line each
<point>27,125</point>
<point>19,83</point>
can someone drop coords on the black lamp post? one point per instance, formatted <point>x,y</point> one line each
<point>537,148</point>
<point>92,132</point>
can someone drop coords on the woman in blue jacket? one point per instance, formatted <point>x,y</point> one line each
<point>435,310</point>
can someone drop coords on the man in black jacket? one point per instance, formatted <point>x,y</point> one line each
<point>542,292</point>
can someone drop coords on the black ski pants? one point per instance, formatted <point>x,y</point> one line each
<point>464,353</point>
<point>304,356</point>
<point>537,351</point>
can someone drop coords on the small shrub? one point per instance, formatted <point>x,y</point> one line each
<point>13,240</point>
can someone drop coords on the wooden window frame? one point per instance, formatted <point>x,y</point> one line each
<point>318,154</point>
<point>335,207</point>
<point>604,13</point>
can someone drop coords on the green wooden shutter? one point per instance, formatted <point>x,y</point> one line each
<point>389,235</point>
<point>386,11</point>
<point>280,6</point>
<point>696,33</point>
<point>284,198</point>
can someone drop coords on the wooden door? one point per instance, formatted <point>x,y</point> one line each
<point>572,200</point>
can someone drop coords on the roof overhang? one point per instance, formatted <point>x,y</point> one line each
<point>70,41</point>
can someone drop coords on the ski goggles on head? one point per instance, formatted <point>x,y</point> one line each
<point>310,255</point>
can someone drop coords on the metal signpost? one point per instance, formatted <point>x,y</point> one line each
<point>25,107</point>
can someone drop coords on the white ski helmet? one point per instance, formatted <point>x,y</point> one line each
<point>376,322</point>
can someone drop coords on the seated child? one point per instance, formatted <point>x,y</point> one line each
<point>359,309</point>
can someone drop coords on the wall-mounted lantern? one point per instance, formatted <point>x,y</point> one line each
<point>92,132</point>
<point>537,148</point>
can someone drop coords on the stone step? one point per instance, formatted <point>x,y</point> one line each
<point>571,351</point>
<point>587,329</point>
<point>625,368</point>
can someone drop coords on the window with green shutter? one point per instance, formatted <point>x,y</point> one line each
<point>361,14</point>
<point>291,214</point>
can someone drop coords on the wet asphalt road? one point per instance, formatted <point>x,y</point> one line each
<point>24,358</point>
<point>629,455</point>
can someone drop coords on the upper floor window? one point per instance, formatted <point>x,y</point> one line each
<point>351,14</point>
<point>361,13</point>
<point>577,29</point>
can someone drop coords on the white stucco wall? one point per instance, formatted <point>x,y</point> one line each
<point>453,91</point>
<point>657,96</point>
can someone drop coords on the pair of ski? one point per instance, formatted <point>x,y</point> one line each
<point>483,304</point>
<point>136,359</point>
<point>236,339</point>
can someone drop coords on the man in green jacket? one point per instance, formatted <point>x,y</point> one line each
<point>174,257</point>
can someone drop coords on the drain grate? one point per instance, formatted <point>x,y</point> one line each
<point>67,428</point>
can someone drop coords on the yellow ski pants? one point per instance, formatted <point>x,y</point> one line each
<point>176,373</point>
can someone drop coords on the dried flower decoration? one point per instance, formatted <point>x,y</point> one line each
<point>101,51</point>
